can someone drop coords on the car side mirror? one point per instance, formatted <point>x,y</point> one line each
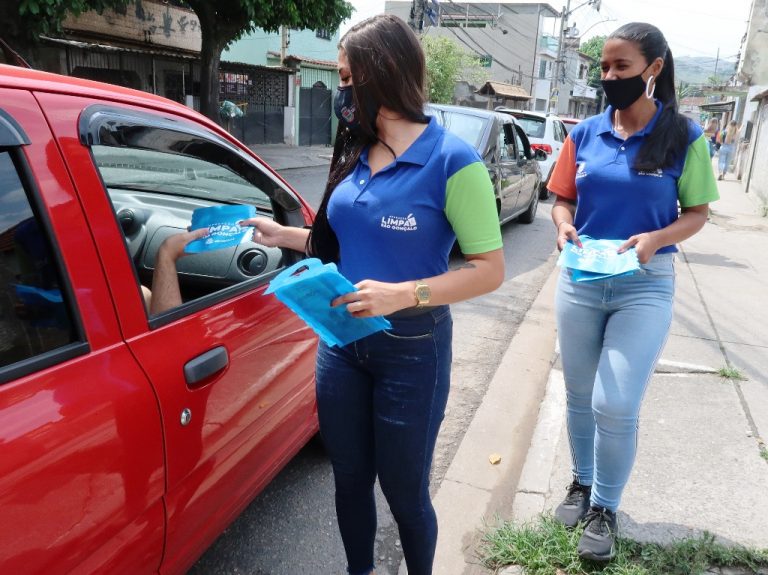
<point>540,155</point>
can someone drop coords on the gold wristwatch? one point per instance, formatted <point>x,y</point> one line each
<point>422,293</point>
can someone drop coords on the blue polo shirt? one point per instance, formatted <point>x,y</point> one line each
<point>616,201</point>
<point>400,224</point>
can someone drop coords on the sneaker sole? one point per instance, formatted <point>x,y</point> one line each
<point>599,558</point>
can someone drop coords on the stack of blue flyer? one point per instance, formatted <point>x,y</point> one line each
<point>597,259</point>
<point>308,287</point>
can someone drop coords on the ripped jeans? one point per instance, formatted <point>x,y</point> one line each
<point>611,335</point>
<point>380,402</point>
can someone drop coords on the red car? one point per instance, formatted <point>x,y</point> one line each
<point>128,441</point>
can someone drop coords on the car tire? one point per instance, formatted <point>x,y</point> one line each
<point>544,192</point>
<point>529,215</point>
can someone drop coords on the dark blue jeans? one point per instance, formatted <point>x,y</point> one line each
<point>380,402</point>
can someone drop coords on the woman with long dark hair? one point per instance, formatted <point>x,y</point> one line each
<point>401,190</point>
<point>639,172</point>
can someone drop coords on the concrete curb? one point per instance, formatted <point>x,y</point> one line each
<point>473,490</point>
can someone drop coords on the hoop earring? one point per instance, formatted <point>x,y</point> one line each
<point>648,94</point>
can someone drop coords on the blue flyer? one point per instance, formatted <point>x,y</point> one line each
<point>224,229</point>
<point>308,287</point>
<point>597,259</point>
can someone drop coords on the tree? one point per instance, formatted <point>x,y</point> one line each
<point>24,21</point>
<point>447,64</point>
<point>224,21</point>
<point>594,49</point>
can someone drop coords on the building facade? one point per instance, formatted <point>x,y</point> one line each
<point>154,46</point>
<point>752,71</point>
<point>311,57</point>
<point>504,36</point>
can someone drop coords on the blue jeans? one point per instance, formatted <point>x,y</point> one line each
<point>611,335</point>
<point>380,402</point>
<point>726,155</point>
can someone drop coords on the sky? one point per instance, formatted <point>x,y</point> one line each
<point>692,27</point>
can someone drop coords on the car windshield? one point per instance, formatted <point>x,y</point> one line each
<point>177,174</point>
<point>533,127</point>
<point>468,128</point>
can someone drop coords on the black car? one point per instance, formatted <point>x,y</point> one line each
<point>506,152</point>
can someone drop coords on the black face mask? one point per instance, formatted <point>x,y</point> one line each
<point>346,111</point>
<point>344,107</point>
<point>623,92</point>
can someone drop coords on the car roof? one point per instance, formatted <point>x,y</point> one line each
<point>468,110</point>
<point>531,113</point>
<point>36,80</point>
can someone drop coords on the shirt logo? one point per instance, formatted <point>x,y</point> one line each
<point>581,170</point>
<point>399,223</point>
<point>658,173</point>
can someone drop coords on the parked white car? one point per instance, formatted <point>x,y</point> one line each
<point>546,132</point>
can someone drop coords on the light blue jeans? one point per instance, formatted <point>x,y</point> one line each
<point>725,157</point>
<point>611,334</point>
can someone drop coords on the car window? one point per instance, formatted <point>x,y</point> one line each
<point>533,127</point>
<point>174,174</point>
<point>519,145</point>
<point>157,175</point>
<point>503,143</point>
<point>35,311</point>
<point>559,131</point>
<point>508,135</point>
<point>468,128</point>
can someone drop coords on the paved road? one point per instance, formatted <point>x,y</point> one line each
<point>291,527</point>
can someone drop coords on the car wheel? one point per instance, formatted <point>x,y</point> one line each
<point>544,192</point>
<point>529,215</point>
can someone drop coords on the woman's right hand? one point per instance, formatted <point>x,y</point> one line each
<point>266,231</point>
<point>566,232</point>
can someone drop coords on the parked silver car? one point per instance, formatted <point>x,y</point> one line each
<point>507,154</point>
<point>547,133</point>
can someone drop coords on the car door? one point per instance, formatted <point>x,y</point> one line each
<point>233,370</point>
<point>529,174</point>
<point>81,470</point>
<point>511,173</point>
<point>558,136</point>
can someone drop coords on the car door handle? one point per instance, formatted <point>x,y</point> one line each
<point>205,365</point>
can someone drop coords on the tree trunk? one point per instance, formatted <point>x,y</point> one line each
<point>210,56</point>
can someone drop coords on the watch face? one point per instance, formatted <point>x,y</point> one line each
<point>422,293</point>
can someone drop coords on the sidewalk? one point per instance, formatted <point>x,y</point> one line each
<point>284,157</point>
<point>699,465</point>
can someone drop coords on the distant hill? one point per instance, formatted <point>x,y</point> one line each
<point>698,69</point>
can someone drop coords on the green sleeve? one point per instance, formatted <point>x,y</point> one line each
<point>470,207</point>
<point>697,184</point>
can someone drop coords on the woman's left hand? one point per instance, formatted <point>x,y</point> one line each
<point>374,298</point>
<point>644,245</point>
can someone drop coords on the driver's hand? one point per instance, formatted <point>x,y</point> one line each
<point>173,246</point>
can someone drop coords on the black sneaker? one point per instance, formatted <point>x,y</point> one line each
<point>598,540</point>
<point>575,505</point>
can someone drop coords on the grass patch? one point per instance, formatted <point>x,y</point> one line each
<point>546,547</point>
<point>763,451</point>
<point>729,372</point>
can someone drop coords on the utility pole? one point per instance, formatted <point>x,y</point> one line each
<point>283,44</point>
<point>416,20</point>
<point>556,80</point>
<point>717,61</point>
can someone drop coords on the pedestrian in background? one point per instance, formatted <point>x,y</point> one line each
<point>710,133</point>
<point>622,175</point>
<point>401,190</point>
<point>728,138</point>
